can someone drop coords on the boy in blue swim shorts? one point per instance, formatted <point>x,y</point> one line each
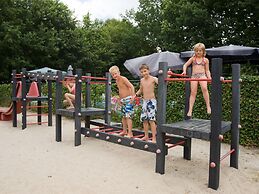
<point>126,94</point>
<point>148,113</point>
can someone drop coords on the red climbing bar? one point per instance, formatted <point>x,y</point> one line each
<point>176,144</point>
<point>33,123</point>
<point>227,154</point>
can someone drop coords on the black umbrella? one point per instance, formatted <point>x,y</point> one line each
<point>231,53</point>
<point>173,59</point>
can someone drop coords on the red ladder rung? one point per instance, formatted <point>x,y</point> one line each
<point>227,154</point>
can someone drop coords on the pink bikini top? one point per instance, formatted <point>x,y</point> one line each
<point>203,62</point>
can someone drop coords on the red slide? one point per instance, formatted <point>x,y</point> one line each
<point>6,113</point>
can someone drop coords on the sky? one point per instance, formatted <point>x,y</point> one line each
<point>100,9</point>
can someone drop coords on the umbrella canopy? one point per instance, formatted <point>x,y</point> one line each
<point>231,53</point>
<point>45,70</point>
<point>173,59</point>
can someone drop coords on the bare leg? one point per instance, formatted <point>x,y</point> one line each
<point>129,124</point>
<point>206,96</point>
<point>153,129</point>
<point>124,127</point>
<point>145,127</point>
<point>70,98</point>
<point>194,87</point>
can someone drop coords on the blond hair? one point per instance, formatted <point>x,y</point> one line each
<point>200,46</point>
<point>114,69</point>
<point>143,66</point>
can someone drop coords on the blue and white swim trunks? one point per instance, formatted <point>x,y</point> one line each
<point>127,108</point>
<point>148,112</point>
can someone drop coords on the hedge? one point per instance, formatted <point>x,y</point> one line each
<point>249,120</point>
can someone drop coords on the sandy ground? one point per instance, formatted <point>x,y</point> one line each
<point>31,161</point>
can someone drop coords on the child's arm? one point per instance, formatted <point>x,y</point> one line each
<point>139,92</point>
<point>189,62</point>
<point>156,80</point>
<point>130,86</point>
<point>207,69</point>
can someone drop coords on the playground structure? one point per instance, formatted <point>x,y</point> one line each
<point>211,130</point>
<point>168,135</point>
<point>21,96</point>
<point>104,131</point>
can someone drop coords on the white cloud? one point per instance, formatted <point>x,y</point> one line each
<point>100,9</point>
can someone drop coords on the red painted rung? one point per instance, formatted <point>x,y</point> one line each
<point>176,74</point>
<point>96,128</point>
<point>137,136</point>
<point>107,129</point>
<point>30,115</point>
<point>227,154</point>
<point>33,123</point>
<point>194,79</point>
<point>188,79</point>
<point>112,132</point>
<point>176,144</point>
<point>96,78</point>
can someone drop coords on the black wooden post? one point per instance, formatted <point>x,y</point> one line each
<point>187,150</point>
<point>78,107</point>
<point>49,102</point>
<point>161,119</point>
<point>107,117</point>
<point>216,117</point>
<point>187,94</point>
<point>39,104</point>
<point>235,119</point>
<point>24,100</point>
<point>14,97</point>
<point>88,99</point>
<point>58,105</point>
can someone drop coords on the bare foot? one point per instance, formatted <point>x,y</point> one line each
<point>189,114</point>
<point>70,107</point>
<point>145,138</point>
<point>153,140</point>
<point>130,135</point>
<point>123,133</point>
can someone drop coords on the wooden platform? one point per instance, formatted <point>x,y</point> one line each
<point>194,128</point>
<point>84,112</point>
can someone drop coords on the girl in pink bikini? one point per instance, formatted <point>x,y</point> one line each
<point>200,69</point>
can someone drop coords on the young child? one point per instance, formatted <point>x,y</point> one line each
<point>70,96</point>
<point>200,69</point>
<point>126,98</point>
<point>148,113</point>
